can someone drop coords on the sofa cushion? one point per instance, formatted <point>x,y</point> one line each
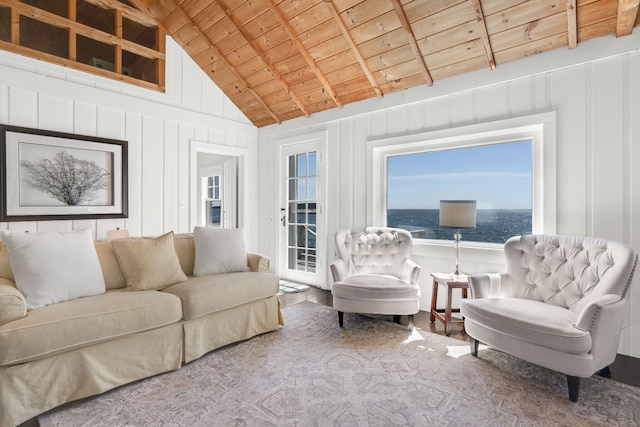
<point>13,306</point>
<point>209,294</point>
<point>51,267</point>
<point>520,318</point>
<point>186,250</point>
<point>149,262</point>
<point>219,250</point>
<point>113,275</point>
<point>5,263</point>
<point>67,325</point>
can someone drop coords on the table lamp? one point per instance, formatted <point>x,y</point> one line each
<point>457,214</point>
<point>117,234</point>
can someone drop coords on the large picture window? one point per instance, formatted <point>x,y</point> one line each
<point>507,166</point>
<point>497,176</point>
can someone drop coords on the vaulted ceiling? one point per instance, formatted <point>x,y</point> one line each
<point>281,59</point>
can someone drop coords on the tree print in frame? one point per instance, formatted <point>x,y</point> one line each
<point>52,176</point>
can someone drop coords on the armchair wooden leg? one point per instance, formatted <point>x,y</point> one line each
<point>605,372</point>
<point>474,343</point>
<point>574,387</point>
<point>340,318</point>
<point>410,317</point>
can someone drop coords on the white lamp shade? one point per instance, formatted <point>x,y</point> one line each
<point>458,213</point>
<point>117,234</point>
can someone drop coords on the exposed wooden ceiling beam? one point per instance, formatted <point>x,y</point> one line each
<point>627,13</point>
<point>165,4</point>
<point>303,50</point>
<point>484,34</point>
<point>572,24</point>
<point>412,41</point>
<point>127,11</point>
<point>264,58</point>
<point>354,48</point>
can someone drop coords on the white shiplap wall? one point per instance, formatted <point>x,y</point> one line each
<point>158,127</point>
<point>595,92</point>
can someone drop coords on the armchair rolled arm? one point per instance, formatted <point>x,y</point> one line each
<point>258,262</point>
<point>410,272</point>
<point>492,285</point>
<point>339,270</point>
<point>603,318</point>
<point>13,305</point>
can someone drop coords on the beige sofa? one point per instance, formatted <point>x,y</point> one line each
<point>85,346</point>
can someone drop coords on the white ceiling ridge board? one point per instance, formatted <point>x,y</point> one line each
<point>69,89</point>
<point>591,51</point>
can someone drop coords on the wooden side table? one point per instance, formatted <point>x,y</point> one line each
<point>450,283</point>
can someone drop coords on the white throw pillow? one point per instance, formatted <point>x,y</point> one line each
<point>51,267</point>
<point>219,250</point>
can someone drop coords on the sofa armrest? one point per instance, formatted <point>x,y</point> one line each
<point>603,318</point>
<point>258,263</point>
<point>410,272</point>
<point>13,305</point>
<point>339,270</point>
<point>493,285</point>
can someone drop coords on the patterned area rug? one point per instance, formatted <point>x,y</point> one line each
<point>371,373</point>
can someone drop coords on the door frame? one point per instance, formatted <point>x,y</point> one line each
<point>319,278</point>
<point>206,147</point>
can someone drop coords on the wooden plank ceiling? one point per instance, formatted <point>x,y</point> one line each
<point>281,59</point>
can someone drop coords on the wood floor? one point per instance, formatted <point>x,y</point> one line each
<point>625,369</point>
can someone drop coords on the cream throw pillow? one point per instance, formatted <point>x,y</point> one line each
<point>51,267</point>
<point>219,250</point>
<point>149,262</point>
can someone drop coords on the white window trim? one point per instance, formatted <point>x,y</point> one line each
<point>204,175</point>
<point>539,128</point>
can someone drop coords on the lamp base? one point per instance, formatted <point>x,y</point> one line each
<point>457,236</point>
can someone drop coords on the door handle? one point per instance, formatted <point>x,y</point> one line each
<point>283,218</point>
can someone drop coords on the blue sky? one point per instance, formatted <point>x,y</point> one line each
<point>498,176</point>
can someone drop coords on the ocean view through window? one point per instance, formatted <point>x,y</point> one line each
<point>498,176</point>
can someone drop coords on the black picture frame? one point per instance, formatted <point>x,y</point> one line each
<point>46,175</point>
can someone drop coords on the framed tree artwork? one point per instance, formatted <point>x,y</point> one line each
<point>53,176</point>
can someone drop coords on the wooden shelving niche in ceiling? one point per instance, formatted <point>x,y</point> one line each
<point>109,38</point>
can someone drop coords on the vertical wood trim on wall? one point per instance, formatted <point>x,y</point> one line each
<point>133,134</point>
<point>589,123</point>
<point>170,171</point>
<point>345,174</point>
<point>152,176</point>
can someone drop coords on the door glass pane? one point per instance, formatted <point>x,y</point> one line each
<point>311,192</point>
<point>302,165</point>
<point>292,189</point>
<point>292,258</point>
<point>292,166</point>
<point>302,212</point>
<point>302,189</point>
<point>293,212</point>
<point>292,235</point>
<point>311,213</point>
<point>312,164</point>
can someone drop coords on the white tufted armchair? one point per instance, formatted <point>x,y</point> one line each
<point>560,304</point>
<point>374,273</point>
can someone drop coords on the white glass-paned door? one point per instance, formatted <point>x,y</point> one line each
<point>301,218</point>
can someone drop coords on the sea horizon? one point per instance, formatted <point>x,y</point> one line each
<point>492,225</point>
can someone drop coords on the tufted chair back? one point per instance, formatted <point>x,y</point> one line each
<point>379,250</point>
<point>568,271</point>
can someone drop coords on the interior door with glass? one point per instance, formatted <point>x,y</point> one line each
<point>302,230</point>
